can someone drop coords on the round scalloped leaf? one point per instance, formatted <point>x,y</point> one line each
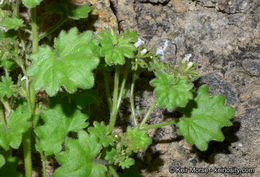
<point>77,12</point>
<point>78,158</point>
<point>204,119</point>
<point>137,139</point>
<point>18,122</point>
<point>69,65</point>
<point>12,23</point>
<point>6,87</point>
<point>58,122</point>
<point>126,163</point>
<point>169,92</point>
<point>115,48</point>
<point>31,3</point>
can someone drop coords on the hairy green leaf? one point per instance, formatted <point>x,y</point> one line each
<point>101,131</point>
<point>111,155</point>
<point>128,162</point>
<point>69,65</point>
<point>169,92</point>
<point>9,169</point>
<point>31,3</point>
<point>59,120</point>
<point>7,64</point>
<point>204,119</point>
<point>115,48</point>
<point>69,10</point>
<point>77,12</point>
<point>12,23</point>
<point>6,87</point>
<point>137,139</point>
<point>132,35</point>
<point>79,158</point>
<point>18,122</point>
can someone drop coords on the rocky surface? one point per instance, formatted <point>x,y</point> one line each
<point>223,39</point>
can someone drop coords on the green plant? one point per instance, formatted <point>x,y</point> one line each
<point>74,73</point>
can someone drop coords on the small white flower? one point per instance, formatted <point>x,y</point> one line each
<point>190,64</point>
<point>143,52</point>
<point>24,78</point>
<point>139,42</point>
<point>186,58</point>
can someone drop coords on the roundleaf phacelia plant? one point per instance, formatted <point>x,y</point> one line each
<point>60,94</point>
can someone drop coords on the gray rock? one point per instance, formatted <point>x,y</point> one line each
<point>218,86</point>
<point>252,67</point>
<point>223,38</point>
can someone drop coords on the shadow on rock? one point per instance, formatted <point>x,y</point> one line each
<point>219,147</point>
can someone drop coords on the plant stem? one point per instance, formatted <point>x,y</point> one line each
<point>19,61</point>
<point>34,30</point>
<point>148,113</point>
<point>159,125</point>
<point>113,171</point>
<point>107,90</point>
<point>6,105</point>
<point>132,98</point>
<point>43,160</point>
<point>31,102</point>
<point>122,89</point>
<point>115,95</point>
<point>54,28</point>
<point>2,115</point>
<point>16,9</point>
<point>27,153</point>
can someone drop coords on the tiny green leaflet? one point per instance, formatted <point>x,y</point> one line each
<point>6,87</point>
<point>170,91</point>
<point>11,23</point>
<point>115,47</point>
<point>137,139</point>
<point>101,131</point>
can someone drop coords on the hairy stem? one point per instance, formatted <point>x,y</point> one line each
<point>27,153</point>
<point>19,60</point>
<point>107,90</point>
<point>31,102</point>
<point>30,90</point>
<point>2,115</point>
<point>159,125</point>
<point>148,113</point>
<point>6,105</point>
<point>113,171</point>
<point>54,28</point>
<point>16,8</point>
<point>34,30</point>
<point>122,89</point>
<point>115,95</point>
<point>132,98</point>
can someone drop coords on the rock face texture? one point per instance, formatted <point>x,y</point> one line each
<point>223,39</point>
